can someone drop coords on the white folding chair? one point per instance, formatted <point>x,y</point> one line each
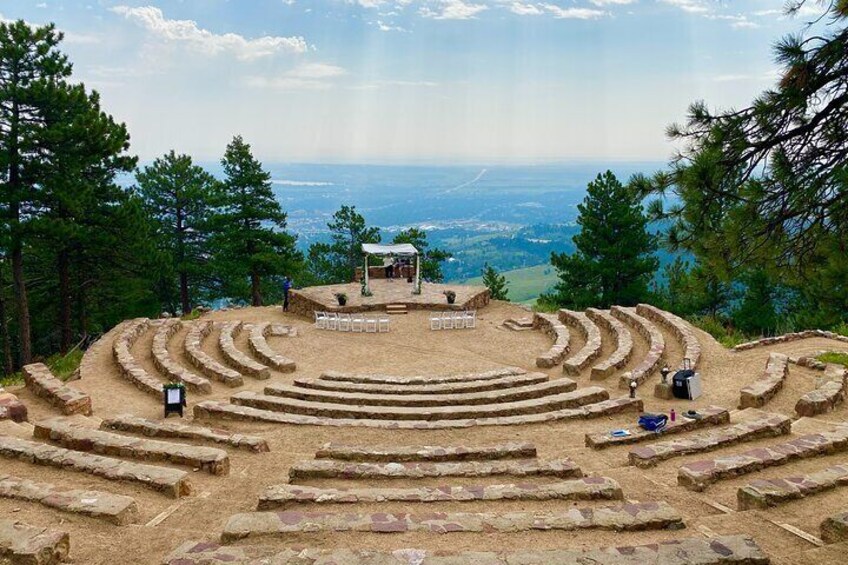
<point>332,321</point>
<point>320,320</point>
<point>357,322</point>
<point>459,320</point>
<point>436,321</point>
<point>344,322</point>
<point>370,325</point>
<point>471,319</point>
<point>447,320</point>
<point>383,323</point>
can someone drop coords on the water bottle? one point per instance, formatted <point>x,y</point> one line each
<point>673,415</point>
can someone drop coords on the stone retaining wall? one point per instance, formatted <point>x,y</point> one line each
<point>785,338</point>
<point>302,305</point>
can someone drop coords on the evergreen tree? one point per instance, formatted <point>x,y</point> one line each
<point>336,262</point>
<point>180,198</point>
<point>614,261</point>
<point>431,259</point>
<point>250,240</point>
<point>496,283</point>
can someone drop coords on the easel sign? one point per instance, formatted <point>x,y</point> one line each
<point>174,397</point>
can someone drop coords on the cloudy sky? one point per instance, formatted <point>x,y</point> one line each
<point>408,81</point>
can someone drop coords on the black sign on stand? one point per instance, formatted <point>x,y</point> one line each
<point>174,396</point>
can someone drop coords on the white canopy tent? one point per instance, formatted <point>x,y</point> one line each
<point>397,250</point>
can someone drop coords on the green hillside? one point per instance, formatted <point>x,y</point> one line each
<point>525,285</point>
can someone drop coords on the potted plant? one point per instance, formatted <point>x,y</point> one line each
<point>450,295</point>
<point>342,298</point>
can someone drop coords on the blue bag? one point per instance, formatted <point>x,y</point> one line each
<point>653,422</point>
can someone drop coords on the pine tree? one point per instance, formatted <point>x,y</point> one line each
<point>496,283</point>
<point>336,262</point>
<point>614,261</point>
<point>431,259</point>
<point>180,198</point>
<point>250,241</point>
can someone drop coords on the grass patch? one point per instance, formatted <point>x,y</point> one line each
<point>62,366</point>
<point>726,335</point>
<point>834,357</point>
<point>841,329</point>
<point>193,315</point>
<point>525,285</point>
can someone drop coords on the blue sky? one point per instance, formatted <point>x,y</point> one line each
<point>411,81</point>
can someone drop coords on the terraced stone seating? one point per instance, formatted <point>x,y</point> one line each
<point>678,327</point>
<point>550,403</point>
<point>11,408</point>
<point>710,416</point>
<point>529,392</point>
<point>113,508</point>
<point>258,343</point>
<point>765,493</point>
<point>128,367</point>
<point>80,438</point>
<point>446,388</point>
<point>758,393</point>
<point>436,453</point>
<point>213,410</point>
<point>551,325</point>
<point>828,395</point>
<point>330,469</point>
<point>699,475</point>
<point>279,497</point>
<point>203,362</point>
<point>168,366</point>
<point>835,528</point>
<point>173,429</point>
<point>591,349</point>
<point>235,357</point>
<point>43,384</point>
<point>22,544</point>
<point>785,338</point>
<point>621,338</point>
<point>656,346</point>
<point>721,550</point>
<point>754,425</point>
<point>171,482</point>
<point>421,379</point>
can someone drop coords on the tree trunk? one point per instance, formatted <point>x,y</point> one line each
<point>8,364</point>
<point>22,300</point>
<point>63,261</point>
<point>186,306</point>
<point>185,303</point>
<point>16,243</point>
<point>254,288</point>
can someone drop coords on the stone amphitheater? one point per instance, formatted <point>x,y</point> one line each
<point>485,446</point>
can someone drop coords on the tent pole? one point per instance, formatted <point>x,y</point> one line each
<point>417,273</point>
<point>367,289</point>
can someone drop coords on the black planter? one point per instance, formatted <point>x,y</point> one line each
<point>451,299</point>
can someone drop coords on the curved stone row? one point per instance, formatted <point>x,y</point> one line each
<point>127,365</point>
<point>173,429</point>
<point>790,337</point>
<point>621,338</point>
<point>170,368</point>
<point>710,416</point>
<point>235,357</point>
<point>391,453</point>
<point>591,350</point>
<point>258,343</point>
<point>23,544</point>
<point>678,327</point>
<point>530,392</point>
<point>40,380</point>
<point>447,388</point>
<point>327,410</point>
<point>758,393</point>
<point>213,410</point>
<point>765,493</point>
<point>421,379</point>
<point>551,325</point>
<point>830,392</point>
<point>203,362</point>
<point>656,346</point>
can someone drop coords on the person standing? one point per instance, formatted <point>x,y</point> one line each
<point>287,284</point>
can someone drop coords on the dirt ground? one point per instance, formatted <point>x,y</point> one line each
<point>411,348</point>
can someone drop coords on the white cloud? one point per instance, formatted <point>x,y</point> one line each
<point>308,76</point>
<point>80,38</point>
<point>383,26</point>
<point>611,2</point>
<point>204,41</point>
<point>573,13</point>
<point>691,6</point>
<point>316,70</point>
<point>452,10</point>
<point>744,24</point>
<point>523,9</point>
<point>373,85</point>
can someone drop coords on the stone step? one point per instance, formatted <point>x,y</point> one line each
<point>681,330</point>
<point>519,325</point>
<point>22,544</point>
<point>258,344</point>
<point>756,425</point>
<point>327,410</point>
<point>80,438</point>
<point>502,383</point>
<point>591,349</point>
<point>329,469</point>
<point>41,381</point>
<point>758,393</point>
<point>279,497</point>
<point>168,365</point>
<point>765,493</point>
<point>721,550</point>
<point>235,357</point>
<point>550,324</point>
<point>421,379</point>
<point>396,309</point>
<point>214,410</point>
<point>204,362</point>
<point>621,338</point>
<point>699,475</point>
<point>174,429</point>
<point>830,392</point>
<point>710,416</point>
<point>391,453</point>
<point>171,482</point>
<point>650,364</point>
<point>11,408</point>
<point>621,517</point>
<point>835,528</point>
<point>530,392</point>
<point>113,508</point>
